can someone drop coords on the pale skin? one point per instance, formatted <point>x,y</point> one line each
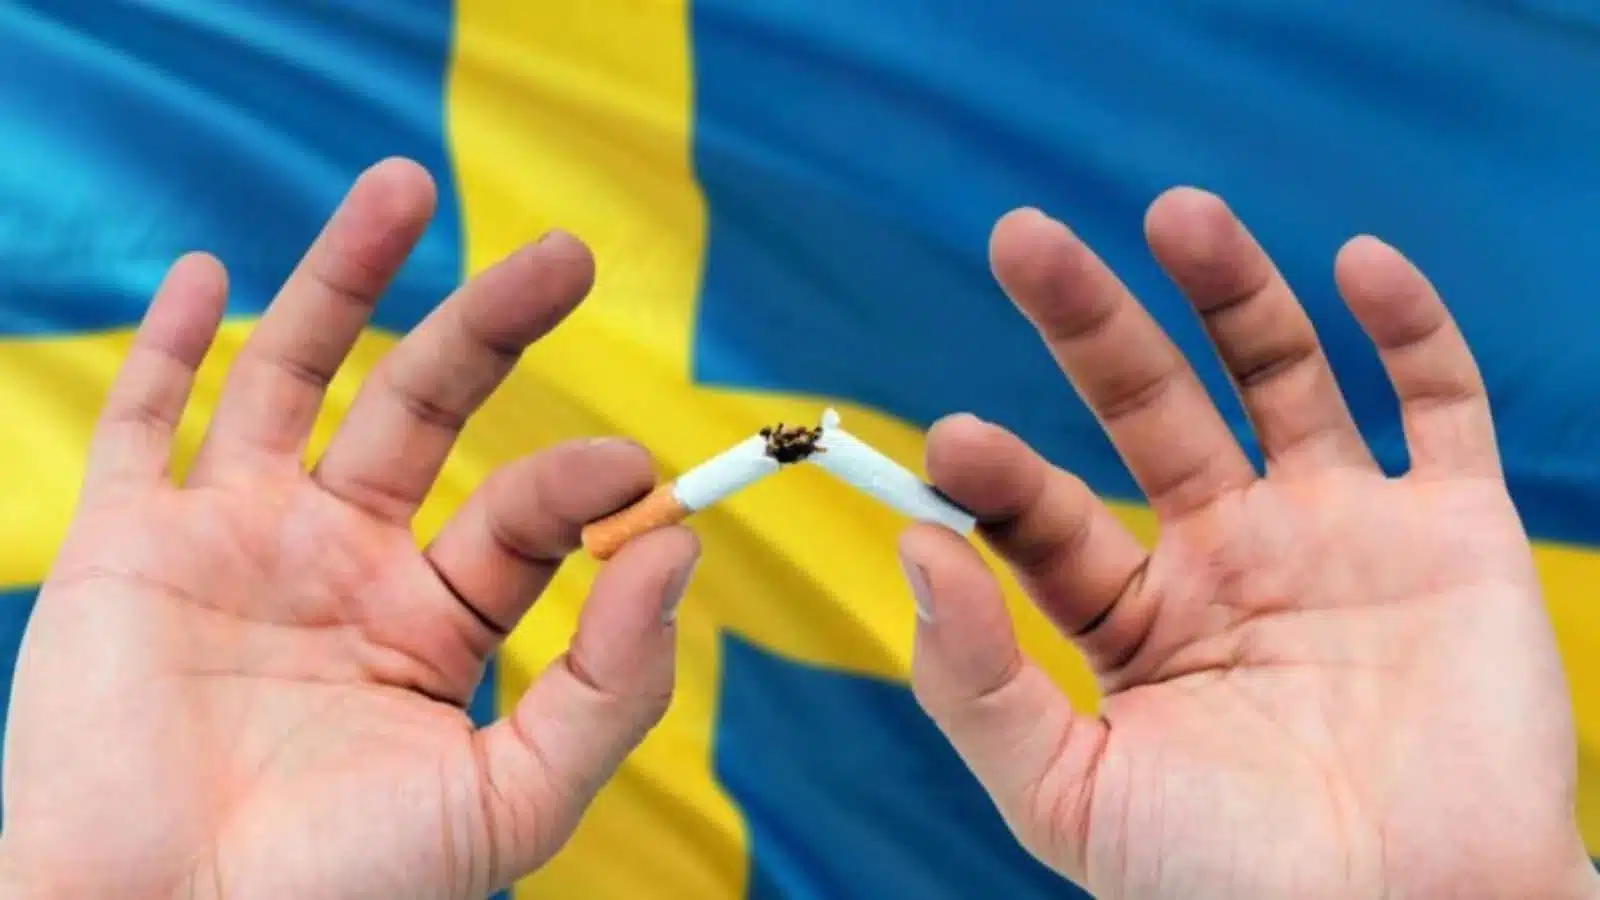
<point>1299,704</point>
<point>1321,682</point>
<point>251,686</point>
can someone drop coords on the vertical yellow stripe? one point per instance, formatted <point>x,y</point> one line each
<point>577,116</point>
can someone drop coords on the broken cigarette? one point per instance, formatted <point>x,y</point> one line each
<point>837,451</point>
<point>722,475</point>
<point>857,463</point>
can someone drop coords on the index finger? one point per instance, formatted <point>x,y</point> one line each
<point>1444,405</point>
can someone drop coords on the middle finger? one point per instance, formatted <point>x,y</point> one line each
<point>1147,398</point>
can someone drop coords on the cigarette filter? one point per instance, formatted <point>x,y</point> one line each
<point>857,463</point>
<point>728,472</point>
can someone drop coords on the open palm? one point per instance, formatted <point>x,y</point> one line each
<point>273,705</point>
<point>1322,682</point>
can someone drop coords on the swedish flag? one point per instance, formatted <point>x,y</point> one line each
<point>789,201</point>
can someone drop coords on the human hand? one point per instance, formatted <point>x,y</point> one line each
<point>1321,683</point>
<point>273,705</point>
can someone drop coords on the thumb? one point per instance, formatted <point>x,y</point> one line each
<point>1007,720</point>
<point>541,765</point>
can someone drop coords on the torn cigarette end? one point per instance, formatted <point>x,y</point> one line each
<point>657,509</point>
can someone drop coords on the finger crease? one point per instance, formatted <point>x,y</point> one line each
<point>449,585</point>
<point>1129,400</point>
<point>506,353</point>
<point>1057,812</point>
<point>164,352</point>
<point>1097,620</point>
<point>536,750</point>
<point>1048,546</point>
<point>1428,398</point>
<point>1234,301</point>
<point>1282,359</point>
<point>1416,334</point>
<point>1009,530</point>
<point>583,676</point>
<point>145,412</point>
<point>372,496</point>
<point>425,409</point>
<point>1086,329</point>
<point>1029,554</point>
<point>356,292</point>
<point>523,551</point>
<point>417,688</point>
<point>491,798</point>
<point>1003,679</point>
<point>300,371</point>
<point>1135,578</point>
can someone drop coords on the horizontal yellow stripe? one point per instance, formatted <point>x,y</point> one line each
<point>800,565</point>
<point>55,388</point>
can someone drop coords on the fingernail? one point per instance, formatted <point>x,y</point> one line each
<point>601,441</point>
<point>677,586</point>
<point>921,593</point>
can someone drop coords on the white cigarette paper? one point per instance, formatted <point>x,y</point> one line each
<point>727,473</point>
<point>856,463</point>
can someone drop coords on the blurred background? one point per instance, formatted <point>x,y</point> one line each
<point>790,202</point>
